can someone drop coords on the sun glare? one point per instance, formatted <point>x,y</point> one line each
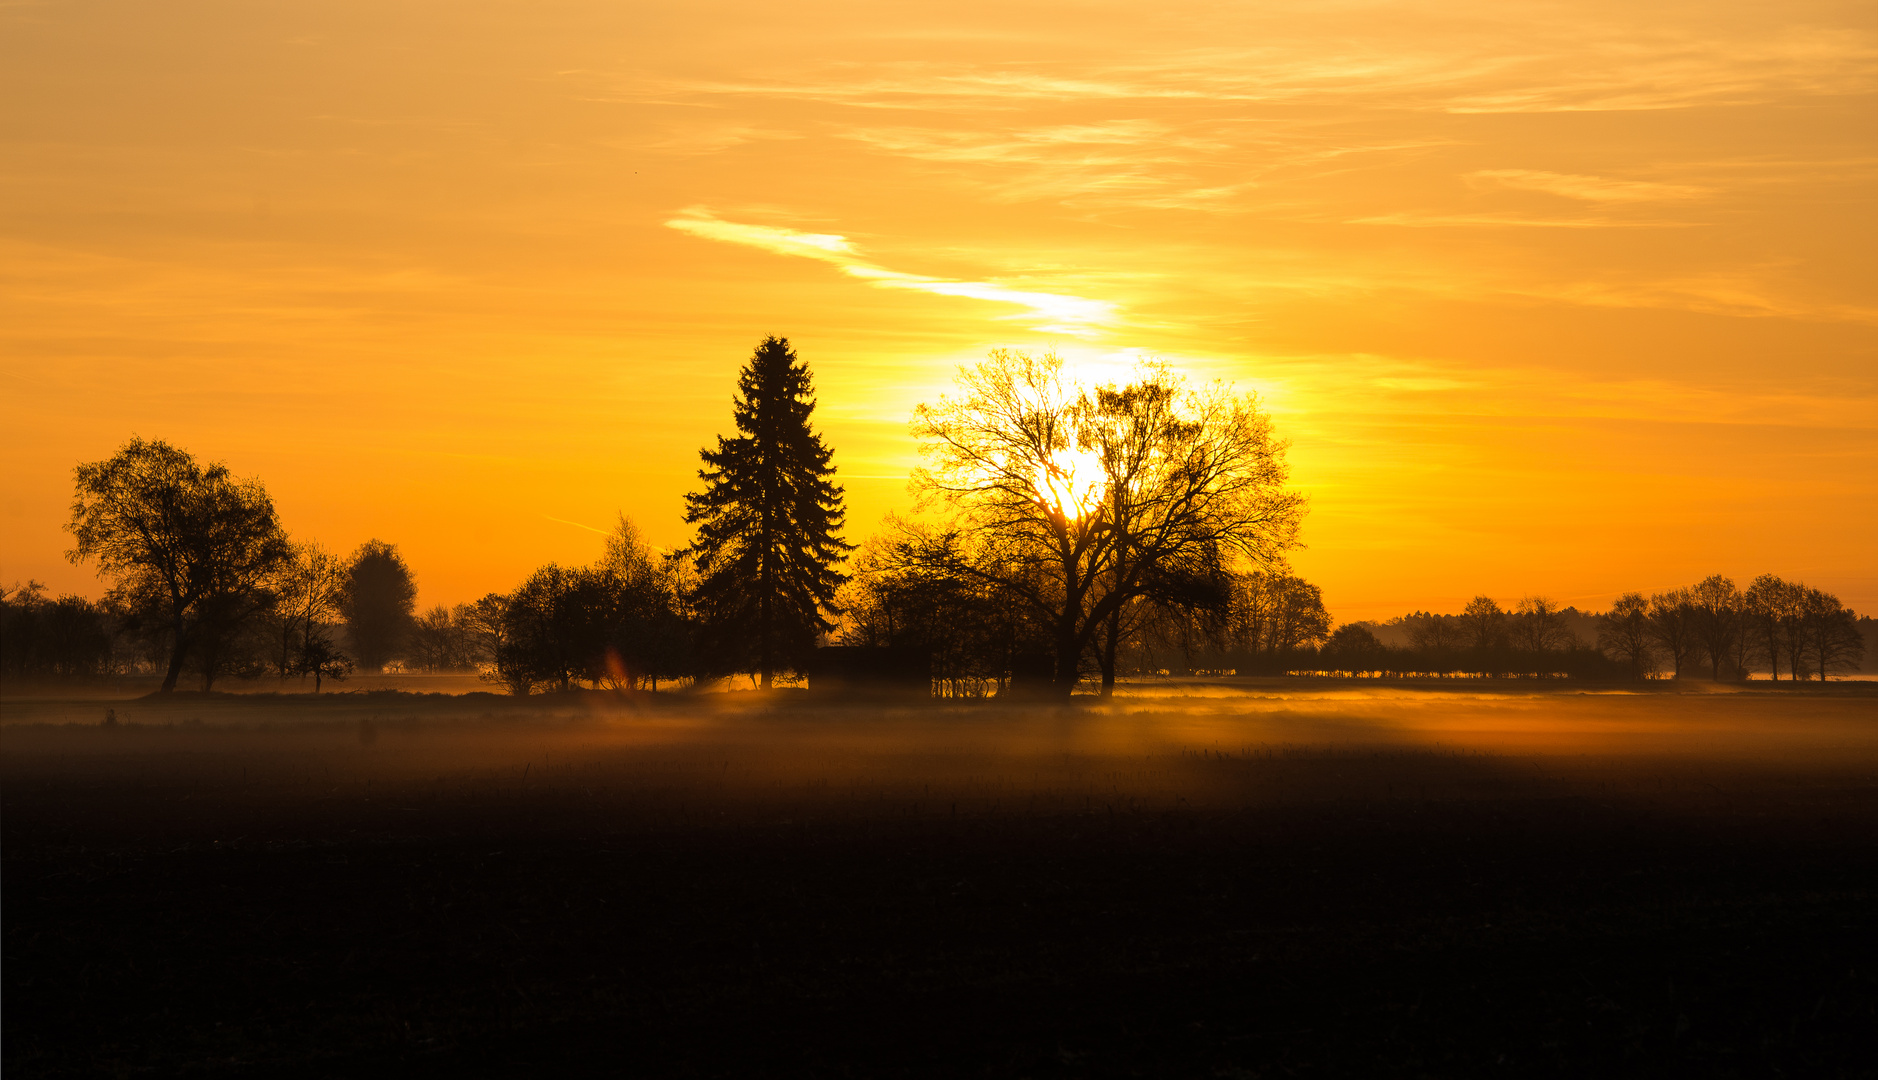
<point>1073,483</point>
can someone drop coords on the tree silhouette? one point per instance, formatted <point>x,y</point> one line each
<point>558,624</point>
<point>1624,634</point>
<point>652,639</point>
<point>1672,623</point>
<point>1773,608</point>
<point>193,550</point>
<point>1435,635</point>
<point>437,641</point>
<point>309,591</point>
<point>485,630</point>
<point>1270,617</point>
<point>1716,606</point>
<point>1077,500</point>
<point>1538,628</point>
<point>1485,623</point>
<point>1354,648</point>
<point>966,629</point>
<point>379,600</point>
<point>766,548</point>
<point>1828,634</point>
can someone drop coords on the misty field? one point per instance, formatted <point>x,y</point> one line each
<point>1236,879</point>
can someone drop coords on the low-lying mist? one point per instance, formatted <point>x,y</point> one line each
<point>226,768</point>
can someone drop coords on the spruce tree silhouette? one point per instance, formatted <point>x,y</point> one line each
<point>767,548</point>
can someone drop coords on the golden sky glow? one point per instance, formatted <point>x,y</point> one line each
<point>1554,298</point>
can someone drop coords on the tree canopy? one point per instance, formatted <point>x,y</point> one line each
<point>191,549</point>
<point>379,602</point>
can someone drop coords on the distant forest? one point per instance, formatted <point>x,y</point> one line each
<point>1069,535</point>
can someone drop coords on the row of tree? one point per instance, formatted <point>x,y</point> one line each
<point>1068,528</point>
<point>1732,632</point>
<point>1712,626</point>
<point>204,579</point>
<point>1064,532</point>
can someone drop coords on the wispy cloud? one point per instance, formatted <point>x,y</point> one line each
<point>1508,61</point>
<point>1749,292</point>
<point>1505,221</point>
<point>1587,188</point>
<point>1049,312</point>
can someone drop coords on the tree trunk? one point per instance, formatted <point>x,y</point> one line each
<point>175,670</point>
<point>179,650</point>
<point>762,625</point>
<point>765,584</point>
<point>1111,638</point>
<point>1068,662</point>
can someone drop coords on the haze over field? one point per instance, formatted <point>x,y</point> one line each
<point>1568,300</point>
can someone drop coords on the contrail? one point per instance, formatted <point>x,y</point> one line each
<point>577,525</point>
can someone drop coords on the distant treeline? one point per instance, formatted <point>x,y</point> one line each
<point>1073,534</point>
<point>300,613</point>
<point>1712,628</point>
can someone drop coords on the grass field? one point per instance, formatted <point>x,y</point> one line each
<point>1236,879</point>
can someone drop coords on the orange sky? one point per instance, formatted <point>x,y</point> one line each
<point>1550,298</point>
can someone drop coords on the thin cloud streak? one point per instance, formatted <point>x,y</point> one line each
<point>576,524</point>
<point>1586,188</point>
<point>1496,67</point>
<point>1058,313</point>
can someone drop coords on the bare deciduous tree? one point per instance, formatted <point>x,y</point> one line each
<point>1624,634</point>
<point>483,628</point>
<point>1673,625</point>
<point>1538,628</point>
<point>1828,634</point>
<point>1715,618</point>
<point>1086,494</point>
<point>1432,633</point>
<point>1773,608</point>
<point>310,591</point>
<point>1486,626</point>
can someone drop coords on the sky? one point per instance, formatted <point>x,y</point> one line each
<point>1554,299</point>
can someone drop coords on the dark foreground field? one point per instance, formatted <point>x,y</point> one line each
<point>1241,882</point>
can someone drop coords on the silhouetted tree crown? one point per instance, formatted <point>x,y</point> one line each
<point>192,550</point>
<point>1086,502</point>
<point>310,592</point>
<point>1624,634</point>
<point>380,597</point>
<point>767,546</point>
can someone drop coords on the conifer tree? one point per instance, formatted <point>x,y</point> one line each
<point>767,549</point>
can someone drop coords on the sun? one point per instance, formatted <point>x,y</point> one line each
<point>1073,483</point>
